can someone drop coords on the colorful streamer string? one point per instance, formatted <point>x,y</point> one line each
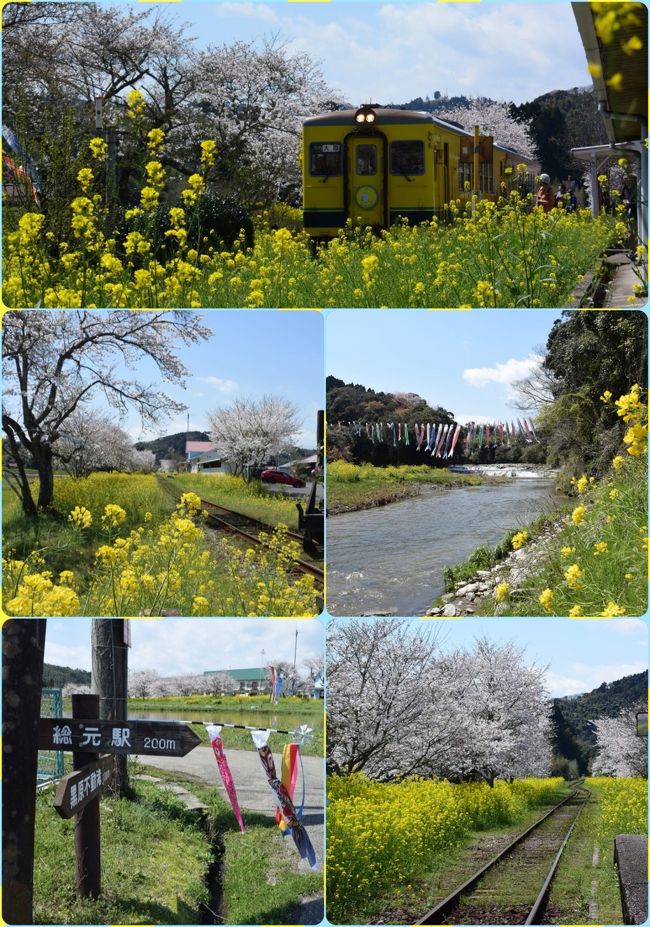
<point>283,799</point>
<point>214,733</point>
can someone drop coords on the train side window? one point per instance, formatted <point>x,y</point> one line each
<point>324,159</point>
<point>464,175</point>
<point>407,157</point>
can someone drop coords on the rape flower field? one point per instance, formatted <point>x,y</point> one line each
<point>598,562</point>
<point>138,558</point>
<point>381,835</point>
<point>485,254</point>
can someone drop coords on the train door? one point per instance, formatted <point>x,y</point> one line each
<point>366,180</point>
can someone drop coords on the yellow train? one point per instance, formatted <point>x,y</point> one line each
<point>374,166</point>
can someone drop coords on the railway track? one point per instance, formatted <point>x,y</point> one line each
<point>224,519</point>
<point>513,887</point>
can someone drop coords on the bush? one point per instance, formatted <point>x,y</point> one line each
<point>215,222</point>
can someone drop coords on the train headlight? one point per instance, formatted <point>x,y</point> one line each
<point>365,114</point>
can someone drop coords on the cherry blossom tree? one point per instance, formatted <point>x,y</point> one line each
<point>248,432</point>
<point>56,362</point>
<point>494,119</point>
<point>621,752</point>
<point>398,705</point>
<point>142,684</point>
<point>91,441</point>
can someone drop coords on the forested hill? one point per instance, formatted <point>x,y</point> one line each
<point>55,677</point>
<point>171,446</point>
<point>348,402</point>
<point>604,702</point>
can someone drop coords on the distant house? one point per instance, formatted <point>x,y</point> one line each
<point>212,461</point>
<point>249,680</point>
<point>167,465</point>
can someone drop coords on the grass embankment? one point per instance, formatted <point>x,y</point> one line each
<point>208,707</point>
<point>135,493</point>
<point>235,493</point>
<point>394,849</point>
<point>597,563</point>
<point>156,861</point>
<point>260,881</point>
<point>113,546</point>
<point>586,874</point>
<point>351,487</point>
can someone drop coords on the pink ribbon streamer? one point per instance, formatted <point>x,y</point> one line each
<point>214,732</point>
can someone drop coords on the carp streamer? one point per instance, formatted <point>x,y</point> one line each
<point>214,733</point>
<point>283,799</point>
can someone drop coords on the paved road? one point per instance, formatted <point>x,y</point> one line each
<point>253,790</point>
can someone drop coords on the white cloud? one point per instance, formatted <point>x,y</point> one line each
<point>220,384</point>
<point>261,11</point>
<point>506,373</point>
<point>464,417</point>
<point>76,656</point>
<point>628,626</point>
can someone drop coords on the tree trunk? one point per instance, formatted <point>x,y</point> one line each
<point>43,459</point>
<point>109,681</point>
<point>23,643</point>
<point>26,498</point>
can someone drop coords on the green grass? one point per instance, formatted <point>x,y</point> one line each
<point>136,493</point>
<point>154,861</point>
<point>619,575</point>
<point>484,557</point>
<point>260,881</point>
<point>235,493</point>
<point>351,486</point>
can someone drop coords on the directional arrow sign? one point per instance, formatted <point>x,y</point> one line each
<point>145,738</point>
<point>78,788</point>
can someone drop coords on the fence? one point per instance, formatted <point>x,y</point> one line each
<point>50,762</point>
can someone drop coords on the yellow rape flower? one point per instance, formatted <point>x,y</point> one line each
<point>98,148</point>
<point>546,599</point>
<point>612,610</point>
<point>113,515</point>
<point>502,592</point>
<point>573,576</point>
<point>576,611</point>
<point>617,462</point>
<point>80,517</point>
<point>578,515</point>
<point>567,551</point>
<point>600,548</point>
<point>519,540</point>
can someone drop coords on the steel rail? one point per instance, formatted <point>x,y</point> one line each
<point>302,566</point>
<point>434,915</point>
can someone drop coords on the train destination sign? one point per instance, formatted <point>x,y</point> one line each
<point>145,738</point>
<point>78,788</point>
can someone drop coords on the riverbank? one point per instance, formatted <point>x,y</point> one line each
<point>587,558</point>
<point>352,487</point>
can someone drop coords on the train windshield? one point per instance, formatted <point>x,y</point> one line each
<point>324,159</point>
<point>407,158</point>
<point>366,160</point>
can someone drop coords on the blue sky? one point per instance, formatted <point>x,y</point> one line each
<point>181,646</point>
<point>395,52</point>
<point>580,655</point>
<point>251,353</point>
<point>463,361</point>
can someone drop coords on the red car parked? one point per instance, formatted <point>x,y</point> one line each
<point>280,476</point>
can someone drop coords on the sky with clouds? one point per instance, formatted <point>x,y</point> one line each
<point>465,362</point>
<point>578,655</point>
<point>392,53</point>
<point>177,647</point>
<point>248,355</point>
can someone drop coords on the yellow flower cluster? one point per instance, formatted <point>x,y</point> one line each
<point>623,805</point>
<point>519,540</point>
<point>502,592</point>
<point>165,566</point>
<point>383,834</point>
<point>534,260</point>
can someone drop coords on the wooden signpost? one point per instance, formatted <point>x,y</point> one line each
<point>75,790</point>
<point>78,793</point>
<point>144,738</point>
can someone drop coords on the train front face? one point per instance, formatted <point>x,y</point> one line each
<point>369,166</point>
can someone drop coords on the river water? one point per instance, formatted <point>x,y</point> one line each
<point>390,559</point>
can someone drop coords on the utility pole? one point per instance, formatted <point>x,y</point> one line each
<point>110,683</point>
<point>23,645</point>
